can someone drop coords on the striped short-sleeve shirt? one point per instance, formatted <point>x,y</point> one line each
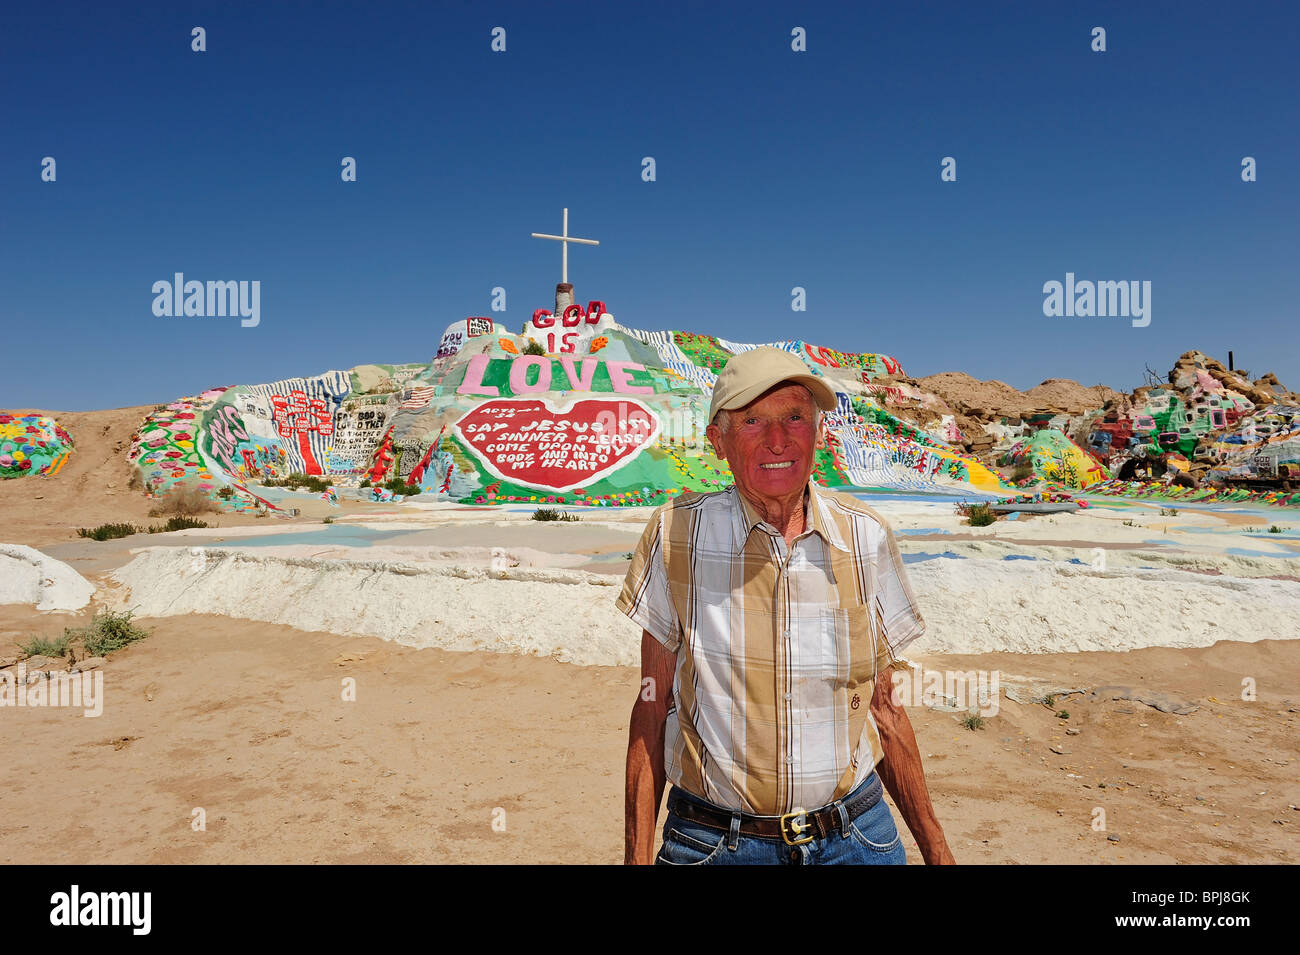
<point>778,647</point>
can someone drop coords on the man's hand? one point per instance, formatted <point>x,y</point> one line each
<point>645,751</point>
<point>903,776</point>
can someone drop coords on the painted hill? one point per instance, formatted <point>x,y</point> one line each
<point>605,414</point>
<point>578,409</point>
<point>32,444</point>
<point>1215,433</point>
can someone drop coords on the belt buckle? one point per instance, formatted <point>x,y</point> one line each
<point>798,822</point>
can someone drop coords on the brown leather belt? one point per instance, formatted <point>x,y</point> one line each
<point>794,828</point>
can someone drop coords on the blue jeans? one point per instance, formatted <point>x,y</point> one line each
<point>871,839</point>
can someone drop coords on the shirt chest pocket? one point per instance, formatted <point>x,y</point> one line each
<point>849,635</point>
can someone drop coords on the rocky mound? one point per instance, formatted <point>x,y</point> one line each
<point>972,398</point>
<point>1070,397</point>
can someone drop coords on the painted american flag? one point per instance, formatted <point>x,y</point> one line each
<point>413,399</point>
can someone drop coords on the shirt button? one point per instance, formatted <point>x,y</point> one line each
<point>789,696</point>
<point>789,760</point>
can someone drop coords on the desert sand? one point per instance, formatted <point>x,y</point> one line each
<point>493,681</point>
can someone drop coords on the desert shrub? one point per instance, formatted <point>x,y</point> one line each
<point>226,493</point>
<point>105,532</point>
<point>177,524</point>
<point>295,482</point>
<point>398,486</point>
<point>980,516</point>
<point>533,348</point>
<point>365,483</point>
<point>46,647</point>
<point>108,631</point>
<point>183,501</point>
<point>973,722</point>
<point>1275,529</point>
<point>550,514</point>
<point>1022,470</point>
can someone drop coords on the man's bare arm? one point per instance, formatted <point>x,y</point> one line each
<point>901,772</point>
<point>645,751</point>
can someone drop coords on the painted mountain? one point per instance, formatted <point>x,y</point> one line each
<point>578,409</point>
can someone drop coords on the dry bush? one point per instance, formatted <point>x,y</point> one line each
<point>183,501</point>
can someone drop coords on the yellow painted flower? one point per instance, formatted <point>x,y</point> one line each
<point>11,431</point>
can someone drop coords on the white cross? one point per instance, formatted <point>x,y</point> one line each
<point>565,240</point>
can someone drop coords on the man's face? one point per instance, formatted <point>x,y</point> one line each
<point>770,443</point>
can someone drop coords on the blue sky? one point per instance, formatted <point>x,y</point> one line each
<point>775,169</point>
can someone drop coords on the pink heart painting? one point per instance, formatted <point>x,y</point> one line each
<point>529,441</point>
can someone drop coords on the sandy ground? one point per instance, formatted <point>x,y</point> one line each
<point>247,723</point>
<point>245,720</point>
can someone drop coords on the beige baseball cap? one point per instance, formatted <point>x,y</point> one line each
<point>747,375</point>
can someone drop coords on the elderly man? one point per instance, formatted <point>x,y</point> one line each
<point>771,614</point>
